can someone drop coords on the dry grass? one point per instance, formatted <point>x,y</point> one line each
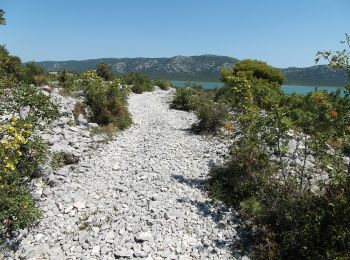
<point>229,126</point>
<point>79,108</point>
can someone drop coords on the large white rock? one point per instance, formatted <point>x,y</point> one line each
<point>143,236</point>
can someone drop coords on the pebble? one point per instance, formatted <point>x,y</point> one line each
<point>143,236</point>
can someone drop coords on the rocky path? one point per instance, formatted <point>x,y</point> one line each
<point>137,197</point>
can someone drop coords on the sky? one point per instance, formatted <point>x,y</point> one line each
<point>283,33</point>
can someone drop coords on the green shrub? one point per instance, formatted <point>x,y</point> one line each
<point>254,69</point>
<point>17,207</point>
<point>163,84</point>
<point>236,91</point>
<point>67,80</point>
<point>140,82</point>
<point>20,155</point>
<point>107,101</point>
<point>57,160</point>
<point>265,94</point>
<point>21,151</point>
<point>243,176</point>
<point>304,226</point>
<point>138,89</point>
<point>104,71</point>
<point>186,98</point>
<point>40,107</point>
<point>9,65</point>
<point>292,221</point>
<point>7,81</point>
<point>211,116</point>
<point>34,74</point>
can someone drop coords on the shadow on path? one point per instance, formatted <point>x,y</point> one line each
<point>220,214</point>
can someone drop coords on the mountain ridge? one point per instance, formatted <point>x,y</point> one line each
<point>196,68</point>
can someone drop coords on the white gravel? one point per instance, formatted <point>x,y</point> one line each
<point>139,196</point>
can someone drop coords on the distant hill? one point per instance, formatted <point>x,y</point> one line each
<point>196,68</point>
<point>319,75</point>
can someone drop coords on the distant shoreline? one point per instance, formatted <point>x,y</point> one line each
<point>286,84</point>
<point>287,88</point>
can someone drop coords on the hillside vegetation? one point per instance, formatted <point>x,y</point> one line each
<point>197,68</point>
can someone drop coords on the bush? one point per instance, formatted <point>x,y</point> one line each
<point>104,71</point>
<point>254,69</point>
<point>211,115</point>
<point>21,153</point>
<point>107,101</point>
<point>235,89</point>
<point>66,80</point>
<point>186,98</point>
<point>138,89</point>
<point>163,84</point>
<point>57,160</point>
<point>234,183</point>
<point>39,106</point>
<point>9,65</point>
<point>17,164</point>
<point>292,219</point>
<point>304,226</point>
<point>265,94</point>
<point>140,82</point>
<point>17,207</point>
<point>34,74</point>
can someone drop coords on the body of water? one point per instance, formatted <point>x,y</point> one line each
<point>289,89</point>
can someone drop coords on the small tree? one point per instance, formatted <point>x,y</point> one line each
<point>341,60</point>
<point>9,65</point>
<point>337,59</point>
<point>254,69</point>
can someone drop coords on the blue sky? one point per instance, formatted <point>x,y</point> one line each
<point>281,32</point>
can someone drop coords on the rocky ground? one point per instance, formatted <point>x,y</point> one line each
<point>139,196</point>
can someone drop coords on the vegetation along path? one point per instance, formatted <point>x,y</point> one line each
<point>139,196</point>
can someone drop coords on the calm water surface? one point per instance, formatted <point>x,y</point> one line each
<point>289,89</point>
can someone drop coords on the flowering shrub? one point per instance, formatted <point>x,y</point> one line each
<point>21,151</point>
<point>13,138</point>
<point>17,209</point>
